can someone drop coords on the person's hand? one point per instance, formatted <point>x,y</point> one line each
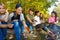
<point>43,21</point>
<point>55,22</point>
<point>10,25</point>
<point>26,27</point>
<point>32,23</point>
<point>5,19</point>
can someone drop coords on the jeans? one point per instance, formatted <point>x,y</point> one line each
<point>30,26</point>
<point>21,27</point>
<point>17,30</point>
<point>54,28</point>
<point>3,32</point>
<point>46,29</point>
<point>1,35</point>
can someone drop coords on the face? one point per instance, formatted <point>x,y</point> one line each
<point>38,14</point>
<point>41,15</point>
<point>31,12</point>
<point>53,15</point>
<point>2,9</point>
<point>19,10</point>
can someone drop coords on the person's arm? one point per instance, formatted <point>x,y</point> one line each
<point>29,19</point>
<point>23,20</point>
<point>6,18</point>
<point>6,25</point>
<point>50,20</point>
<point>3,26</point>
<point>24,23</point>
<point>56,20</point>
<point>10,17</point>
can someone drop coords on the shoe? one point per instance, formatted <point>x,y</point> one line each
<point>31,32</point>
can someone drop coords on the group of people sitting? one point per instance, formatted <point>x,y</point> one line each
<point>16,20</point>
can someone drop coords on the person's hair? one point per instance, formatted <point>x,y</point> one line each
<point>55,15</point>
<point>18,5</point>
<point>31,9</point>
<point>41,17</point>
<point>36,12</point>
<point>2,4</point>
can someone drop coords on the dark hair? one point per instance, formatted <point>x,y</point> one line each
<point>18,5</point>
<point>41,17</point>
<point>55,15</point>
<point>36,12</point>
<point>31,9</point>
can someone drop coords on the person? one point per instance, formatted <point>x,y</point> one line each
<point>53,20</point>
<point>3,22</point>
<point>29,20</point>
<point>18,20</point>
<point>38,24</point>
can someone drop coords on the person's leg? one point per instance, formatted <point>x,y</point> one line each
<point>55,28</point>
<point>31,28</point>
<point>50,26</point>
<point>28,29</point>
<point>1,35</point>
<point>22,29</point>
<point>16,29</point>
<point>58,28</point>
<point>46,29</point>
<point>4,30</point>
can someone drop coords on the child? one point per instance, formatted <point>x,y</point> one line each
<point>53,20</point>
<point>3,22</point>
<point>29,21</point>
<point>18,20</point>
<point>40,24</point>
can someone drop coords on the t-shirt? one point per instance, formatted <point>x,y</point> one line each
<point>13,17</point>
<point>37,20</point>
<point>52,20</point>
<point>30,16</point>
<point>3,16</point>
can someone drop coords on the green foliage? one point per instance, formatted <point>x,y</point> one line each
<point>40,5</point>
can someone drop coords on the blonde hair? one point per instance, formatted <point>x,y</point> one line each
<point>1,4</point>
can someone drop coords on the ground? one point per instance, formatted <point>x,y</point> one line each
<point>40,36</point>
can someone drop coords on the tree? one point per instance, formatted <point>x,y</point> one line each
<point>41,5</point>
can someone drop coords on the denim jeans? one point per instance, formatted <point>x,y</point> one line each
<point>21,27</point>
<point>17,30</point>
<point>54,28</point>
<point>1,35</point>
<point>30,26</point>
<point>46,29</point>
<point>3,32</point>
